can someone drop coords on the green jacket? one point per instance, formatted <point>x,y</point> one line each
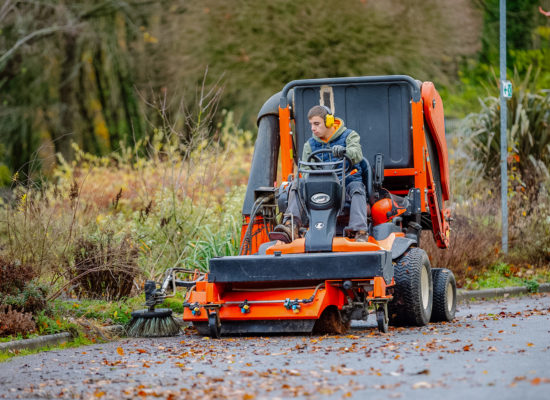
<point>353,144</point>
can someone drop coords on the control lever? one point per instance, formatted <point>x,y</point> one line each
<point>378,170</point>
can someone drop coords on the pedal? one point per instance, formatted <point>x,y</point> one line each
<point>281,236</point>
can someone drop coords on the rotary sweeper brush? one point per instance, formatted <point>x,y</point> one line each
<point>321,279</point>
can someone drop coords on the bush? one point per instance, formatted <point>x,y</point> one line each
<point>18,289</point>
<point>130,213</point>
<point>14,276</point>
<point>476,229</point>
<point>32,298</point>
<point>528,130</point>
<point>14,322</point>
<point>104,268</point>
<point>474,240</point>
<point>529,220</point>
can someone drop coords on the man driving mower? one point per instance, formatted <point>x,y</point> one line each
<point>329,132</point>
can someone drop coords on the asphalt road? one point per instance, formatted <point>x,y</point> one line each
<point>495,349</point>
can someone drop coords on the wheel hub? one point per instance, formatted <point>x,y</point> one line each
<point>450,297</point>
<point>425,287</point>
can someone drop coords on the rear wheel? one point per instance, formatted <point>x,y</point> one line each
<point>444,296</point>
<point>413,292</point>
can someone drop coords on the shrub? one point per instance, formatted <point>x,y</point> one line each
<point>474,240</point>
<point>32,298</point>
<point>18,289</point>
<point>104,268</point>
<point>173,207</point>
<point>14,322</point>
<point>528,129</point>
<point>529,221</point>
<point>14,276</point>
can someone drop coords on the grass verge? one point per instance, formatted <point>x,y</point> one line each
<point>80,340</point>
<point>501,275</point>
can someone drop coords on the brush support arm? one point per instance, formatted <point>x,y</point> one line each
<point>155,295</point>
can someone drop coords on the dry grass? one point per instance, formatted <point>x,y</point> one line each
<point>108,220</point>
<point>474,243</point>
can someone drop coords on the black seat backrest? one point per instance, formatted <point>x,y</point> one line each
<point>379,111</point>
<point>367,177</point>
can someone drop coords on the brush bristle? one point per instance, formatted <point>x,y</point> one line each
<point>152,327</point>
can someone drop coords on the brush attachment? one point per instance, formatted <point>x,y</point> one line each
<point>152,323</point>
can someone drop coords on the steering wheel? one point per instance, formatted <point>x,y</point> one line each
<point>313,156</point>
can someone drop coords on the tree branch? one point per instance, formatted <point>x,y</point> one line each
<point>41,32</point>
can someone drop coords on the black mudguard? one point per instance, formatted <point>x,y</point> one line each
<point>400,246</point>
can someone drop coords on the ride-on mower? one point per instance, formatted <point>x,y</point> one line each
<point>322,280</point>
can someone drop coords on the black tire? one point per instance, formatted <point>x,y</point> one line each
<point>382,319</point>
<point>444,301</point>
<point>214,325</point>
<point>413,292</point>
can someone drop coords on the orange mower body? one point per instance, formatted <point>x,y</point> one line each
<point>322,280</point>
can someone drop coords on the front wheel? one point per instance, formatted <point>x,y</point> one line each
<point>382,318</point>
<point>214,325</point>
<point>413,292</point>
<point>444,303</point>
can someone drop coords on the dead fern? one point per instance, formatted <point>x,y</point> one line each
<point>13,322</point>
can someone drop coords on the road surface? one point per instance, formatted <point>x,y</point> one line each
<point>494,349</point>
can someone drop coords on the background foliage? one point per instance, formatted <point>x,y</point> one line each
<point>126,129</point>
<point>82,70</point>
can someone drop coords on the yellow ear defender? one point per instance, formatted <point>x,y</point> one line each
<point>329,118</point>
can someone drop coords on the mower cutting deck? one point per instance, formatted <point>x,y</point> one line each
<point>287,292</point>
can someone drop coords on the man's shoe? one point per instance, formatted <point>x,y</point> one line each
<point>285,233</point>
<point>361,236</point>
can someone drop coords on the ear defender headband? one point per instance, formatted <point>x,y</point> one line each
<point>329,118</point>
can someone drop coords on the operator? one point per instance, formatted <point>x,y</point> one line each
<point>330,133</point>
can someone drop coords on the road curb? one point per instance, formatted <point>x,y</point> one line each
<point>463,295</point>
<point>52,340</point>
<point>37,342</point>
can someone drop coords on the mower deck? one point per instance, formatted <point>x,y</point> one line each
<point>285,293</point>
<point>302,267</point>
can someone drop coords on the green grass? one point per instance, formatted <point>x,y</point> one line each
<point>114,312</point>
<point>501,275</point>
<point>19,336</point>
<point>80,340</point>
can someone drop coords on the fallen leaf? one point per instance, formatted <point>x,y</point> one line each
<point>294,372</point>
<point>120,351</point>
<point>423,372</point>
<point>422,385</point>
<point>535,381</point>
